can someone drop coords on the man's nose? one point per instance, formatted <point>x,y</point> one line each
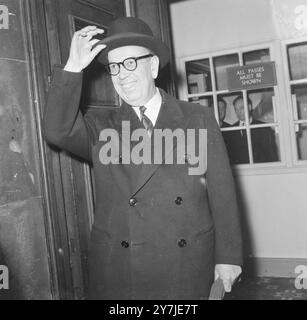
<point>123,72</point>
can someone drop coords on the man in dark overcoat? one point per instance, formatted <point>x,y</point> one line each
<point>160,230</point>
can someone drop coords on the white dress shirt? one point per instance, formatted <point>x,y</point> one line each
<point>152,107</point>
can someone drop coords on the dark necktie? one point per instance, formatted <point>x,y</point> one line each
<point>146,121</point>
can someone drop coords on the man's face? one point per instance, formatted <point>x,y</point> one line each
<point>239,109</point>
<point>135,87</point>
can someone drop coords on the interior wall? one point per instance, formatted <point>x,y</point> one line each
<point>22,234</point>
<point>274,215</point>
<point>224,24</point>
<point>274,205</point>
<point>220,24</point>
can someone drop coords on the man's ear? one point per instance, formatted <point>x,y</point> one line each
<point>154,66</point>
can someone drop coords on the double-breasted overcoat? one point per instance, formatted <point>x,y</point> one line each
<point>158,231</point>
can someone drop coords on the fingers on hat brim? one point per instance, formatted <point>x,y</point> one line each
<point>157,46</point>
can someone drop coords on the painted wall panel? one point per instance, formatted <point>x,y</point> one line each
<point>274,214</point>
<point>204,25</point>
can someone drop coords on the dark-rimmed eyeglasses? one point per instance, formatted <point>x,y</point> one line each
<point>129,64</point>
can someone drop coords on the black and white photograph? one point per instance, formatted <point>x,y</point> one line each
<point>153,153</point>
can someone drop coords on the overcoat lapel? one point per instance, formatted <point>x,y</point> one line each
<point>125,113</point>
<point>170,117</point>
<point>128,175</point>
<point>125,122</point>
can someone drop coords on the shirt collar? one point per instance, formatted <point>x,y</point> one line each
<point>152,107</point>
<point>243,123</point>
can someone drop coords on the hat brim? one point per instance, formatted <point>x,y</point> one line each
<point>133,39</point>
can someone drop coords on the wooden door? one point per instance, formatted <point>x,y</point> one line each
<point>69,179</point>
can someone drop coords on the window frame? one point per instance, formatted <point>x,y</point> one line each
<point>282,94</point>
<point>289,84</point>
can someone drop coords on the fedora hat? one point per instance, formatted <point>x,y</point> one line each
<point>130,31</point>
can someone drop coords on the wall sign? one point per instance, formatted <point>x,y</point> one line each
<point>253,76</point>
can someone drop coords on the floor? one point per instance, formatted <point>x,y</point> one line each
<point>266,288</point>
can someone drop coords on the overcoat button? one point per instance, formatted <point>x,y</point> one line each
<point>125,244</point>
<point>132,202</point>
<point>182,243</point>
<point>178,200</point>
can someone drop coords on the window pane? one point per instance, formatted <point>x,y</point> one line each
<point>256,56</point>
<point>239,108</point>
<point>226,110</point>
<point>265,145</point>
<point>205,101</point>
<point>262,108</point>
<point>220,66</point>
<point>198,76</point>
<point>297,56</point>
<point>301,140</point>
<point>236,144</point>
<point>300,93</point>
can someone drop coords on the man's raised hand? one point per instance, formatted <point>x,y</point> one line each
<point>81,53</point>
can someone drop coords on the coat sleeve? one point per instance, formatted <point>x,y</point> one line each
<point>63,123</point>
<point>222,197</point>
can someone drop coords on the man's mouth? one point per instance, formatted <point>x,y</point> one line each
<point>128,85</point>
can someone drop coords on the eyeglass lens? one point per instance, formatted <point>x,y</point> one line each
<point>129,64</point>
